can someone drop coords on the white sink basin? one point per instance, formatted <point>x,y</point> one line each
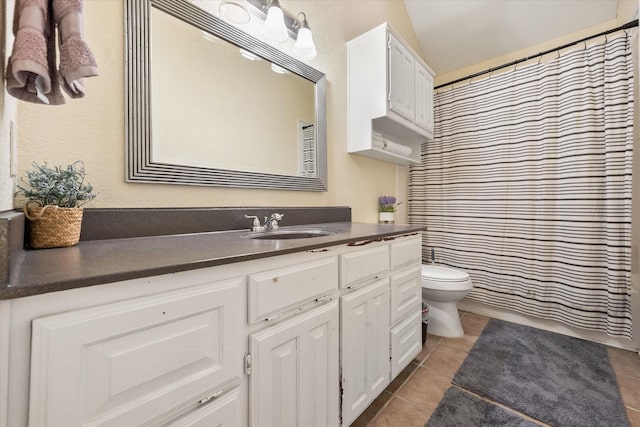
<point>289,234</point>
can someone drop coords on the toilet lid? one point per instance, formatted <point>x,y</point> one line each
<point>442,273</point>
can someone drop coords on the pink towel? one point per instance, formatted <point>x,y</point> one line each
<point>31,68</point>
<point>32,71</point>
<point>76,59</point>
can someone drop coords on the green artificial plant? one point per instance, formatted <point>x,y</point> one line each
<point>60,186</point>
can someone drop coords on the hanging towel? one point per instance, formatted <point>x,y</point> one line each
<point>32,69</point>
<point>76,59</point>
<point>31,74</point>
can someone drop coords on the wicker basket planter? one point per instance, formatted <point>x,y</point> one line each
<point>53,227</point>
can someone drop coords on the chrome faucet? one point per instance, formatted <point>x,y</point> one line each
<point>270,223</point>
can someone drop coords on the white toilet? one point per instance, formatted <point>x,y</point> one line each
<point>442,288</point>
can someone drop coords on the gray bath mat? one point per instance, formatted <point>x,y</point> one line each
<point>458,408</point>
<point>553,378</point>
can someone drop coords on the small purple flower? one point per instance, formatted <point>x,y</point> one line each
<point>387,204</point>
<point>386,200</point>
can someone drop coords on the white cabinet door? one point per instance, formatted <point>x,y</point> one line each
<point>401,80</point>
<point>294,371</point>
<point>424,98</point>
<point>364,347</point>
<point>129,362</point>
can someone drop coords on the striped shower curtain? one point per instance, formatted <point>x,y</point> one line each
<point>527,187</point>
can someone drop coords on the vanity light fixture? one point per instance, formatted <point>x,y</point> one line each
<point>274,29</point>
<point>280,25</point>
<point>304,47</point>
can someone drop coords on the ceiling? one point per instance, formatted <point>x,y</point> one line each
<point>456,33</point>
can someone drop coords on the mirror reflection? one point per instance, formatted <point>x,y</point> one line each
<point>220,106</point>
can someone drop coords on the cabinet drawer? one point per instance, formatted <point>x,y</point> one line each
<point>128,362</point>
<point>275,291</point>
<point>406,252</point>
<point>362,265</point>
<point>406,342</point>
<point>406,293</point>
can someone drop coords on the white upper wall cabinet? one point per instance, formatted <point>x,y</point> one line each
<point>389,96</point>
<point>424,99</point>
<point>402,87</point>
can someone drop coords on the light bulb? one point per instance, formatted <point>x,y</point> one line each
<point>278,69</point>
<point>249,55</point>
<point>304,47</point>
<point>274,29</point>
<point>235,11</point>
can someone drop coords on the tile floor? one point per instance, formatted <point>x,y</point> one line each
<point>411,398</point>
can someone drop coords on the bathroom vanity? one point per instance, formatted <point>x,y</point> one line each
<point>234,331</point>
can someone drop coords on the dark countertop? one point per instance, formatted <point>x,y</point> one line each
<point>94,262</point>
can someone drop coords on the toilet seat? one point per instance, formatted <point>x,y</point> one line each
<point>445,278</point>
<point>440,272</point>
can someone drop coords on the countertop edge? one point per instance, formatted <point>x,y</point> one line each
<point>26,282</point>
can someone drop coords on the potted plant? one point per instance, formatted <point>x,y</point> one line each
<point>54,199</point>
<point>386,209</point>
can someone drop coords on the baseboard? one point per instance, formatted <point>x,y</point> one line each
<point>553,326</point>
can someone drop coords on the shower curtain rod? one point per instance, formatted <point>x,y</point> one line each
<point>626,26</point>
